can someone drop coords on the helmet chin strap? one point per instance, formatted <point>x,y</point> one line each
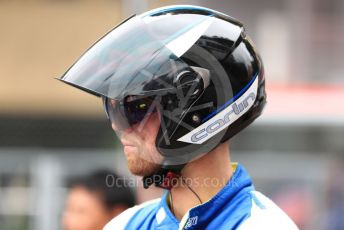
<point>166,177</point>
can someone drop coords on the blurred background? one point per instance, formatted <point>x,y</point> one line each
<point>50,132</point>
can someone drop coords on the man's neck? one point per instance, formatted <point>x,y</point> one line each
<point>205,176</point>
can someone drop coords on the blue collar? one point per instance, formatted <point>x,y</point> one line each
<point>227,198</point>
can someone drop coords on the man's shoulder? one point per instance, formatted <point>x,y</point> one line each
<point>121,221</point>
<point>265,214</point>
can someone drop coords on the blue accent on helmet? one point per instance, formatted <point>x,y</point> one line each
<point>230,101</point>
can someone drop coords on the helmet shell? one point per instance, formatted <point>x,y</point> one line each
<point>203,70</point>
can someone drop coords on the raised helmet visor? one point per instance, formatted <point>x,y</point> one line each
<point>136,59</point>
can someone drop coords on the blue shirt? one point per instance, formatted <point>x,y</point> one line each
<point>236,206</point>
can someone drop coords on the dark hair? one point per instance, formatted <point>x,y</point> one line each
<point>110,194</point>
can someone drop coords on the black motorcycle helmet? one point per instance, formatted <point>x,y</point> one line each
<point>196,67</point>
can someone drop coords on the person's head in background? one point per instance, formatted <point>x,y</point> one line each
<point>94,200</point>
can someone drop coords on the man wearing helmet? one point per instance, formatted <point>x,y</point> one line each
<point>177,83</point>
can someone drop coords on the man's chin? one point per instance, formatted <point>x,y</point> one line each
<point>141,167</point>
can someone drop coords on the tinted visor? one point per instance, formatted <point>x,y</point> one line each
<point>129,111</point>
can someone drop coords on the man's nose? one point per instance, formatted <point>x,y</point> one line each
<point>122,128</point>
<point>114,126</point>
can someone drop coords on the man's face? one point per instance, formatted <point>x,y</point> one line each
<point>138,142</point>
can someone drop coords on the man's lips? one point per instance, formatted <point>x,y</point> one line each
<point>125,143</point>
